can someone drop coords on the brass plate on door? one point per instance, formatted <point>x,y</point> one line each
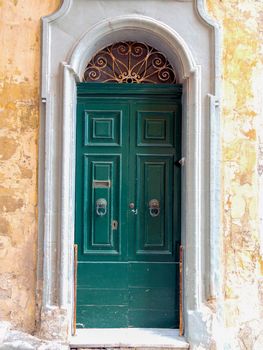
<point>101,183</point>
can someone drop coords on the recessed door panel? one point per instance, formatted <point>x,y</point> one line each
<point>101,204</point>
<point>155,128</point>
<point>102,128</point>
<point>154,224</point>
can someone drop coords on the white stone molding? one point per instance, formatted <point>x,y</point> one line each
<point>71,37</point>
<point>116,29</point>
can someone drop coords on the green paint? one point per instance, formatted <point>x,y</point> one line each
<point>128,139</point>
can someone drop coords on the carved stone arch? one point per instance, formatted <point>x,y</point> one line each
<point>197,69</point>
<point>130,27</point>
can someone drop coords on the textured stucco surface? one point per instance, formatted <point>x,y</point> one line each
<point>241,136</point>
<point>242,163</point>
<point>19,121</point>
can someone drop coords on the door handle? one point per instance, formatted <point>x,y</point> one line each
<point>132,207</point>
<point>154,207</point>
<point>101,207</point>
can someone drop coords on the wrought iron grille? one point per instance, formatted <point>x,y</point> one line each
<point>129,62</point>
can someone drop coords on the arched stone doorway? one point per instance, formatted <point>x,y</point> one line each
<point>199,198</point>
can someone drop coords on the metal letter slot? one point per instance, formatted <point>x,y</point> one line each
<point>154,207</point>
<point>101,207</point>
<point>101,183</point>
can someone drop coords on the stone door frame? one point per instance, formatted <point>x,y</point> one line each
<point>200,149</point>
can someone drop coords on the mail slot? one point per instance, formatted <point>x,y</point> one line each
<point>101,183</point>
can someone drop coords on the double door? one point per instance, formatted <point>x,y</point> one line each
<point>128,210</point>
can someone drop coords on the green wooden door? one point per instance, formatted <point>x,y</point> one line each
<point>128,205</point>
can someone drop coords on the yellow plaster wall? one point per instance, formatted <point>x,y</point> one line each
<point>242,83</point>
<point>242,157</point>
<point>19,122</point>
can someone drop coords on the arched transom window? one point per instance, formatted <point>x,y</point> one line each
<point>130,62</point>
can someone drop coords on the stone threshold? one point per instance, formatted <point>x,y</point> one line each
<point>127,339</point>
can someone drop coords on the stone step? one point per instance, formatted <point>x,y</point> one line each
<point>128,339</point>
<point>131,348</point>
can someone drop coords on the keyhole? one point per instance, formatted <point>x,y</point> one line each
<point>114,225</point>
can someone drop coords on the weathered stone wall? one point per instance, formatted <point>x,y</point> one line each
<point>242,170</point>
<point>19,122</point>
<point>242,162</point>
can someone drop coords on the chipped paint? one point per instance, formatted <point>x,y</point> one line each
<point>19,121</point>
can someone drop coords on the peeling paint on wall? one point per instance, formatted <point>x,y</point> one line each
<point>242,65</point>
<point>19,120</point>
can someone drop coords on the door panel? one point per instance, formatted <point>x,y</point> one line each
<point>128,254</point>
<point>101,174</point>
<point>103,128</point>
<point>102,295</point>
<point>103,316</point>
<point>153,295</point>
<point>152,155</point>
<point>155,128</point>
<point>154,234</point>
<point>102,163</point>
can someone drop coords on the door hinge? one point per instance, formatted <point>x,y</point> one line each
<point>180,163</point>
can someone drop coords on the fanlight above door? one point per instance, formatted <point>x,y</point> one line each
<point>130,62</point>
